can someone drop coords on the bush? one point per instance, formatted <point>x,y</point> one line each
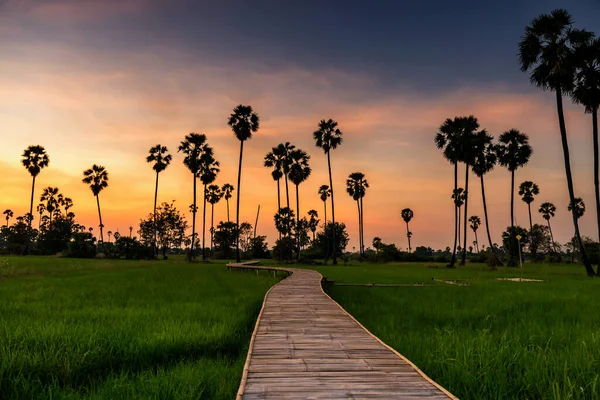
<point>83,245</point>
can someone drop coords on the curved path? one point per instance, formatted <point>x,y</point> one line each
<point>306,346</point>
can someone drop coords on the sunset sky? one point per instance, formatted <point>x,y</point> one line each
<point>103,81</point>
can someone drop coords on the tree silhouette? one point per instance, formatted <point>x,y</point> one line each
<point>356,187</point>
<point>109,233</point>
<point>52,198</point>
<point>548,210</point>
<point>407,215</point>
<point>474,223</point>
<point>130,231</point>
<point>97,178</point>
<point>513,151</point>
<point>227,189</point>
<point>528,190</point>
<point>458,196</point>
<point>9,214</point>
<point>324,194</point>
<point>577,206</point>
<point>313,222</point>
<point>214,195</point>
<point>275,161</point>
<point>328,137</point>
<point>34,159</point>
<point>377,243</point>
<point>546,50</point>
<point>299,172</point>
<point>159,155</point>
<point>209,168</point>
<point>193,147</point>
<point>243,122</point>
<point>41,209</point>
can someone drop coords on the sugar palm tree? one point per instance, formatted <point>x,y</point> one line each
<point>328,137</point>
<point>528,190</point>
<point>474,222</point>
<point>458,195</point>
<point>324,194</point>
<point>41,209</point>
<point>514,152</point>
<point>227,189</point>
<point>97,178</point>
<point>274,160</point>
<point>159,155</point>
<point>578,206</point>
<point>299,172</point>
<point>34,159</point>
<point>448,139</point>
<point>313,222</point>
<point>109,233</point>
<point>243,122</point>
<point>9,214</point>
<point>209,169</point>
<point>50,195</point>
<point>548,210</point>
<point>356,187</point>
<point>193,147</point>
<point>407,215</point>
<point>130,231</point>
<point>214,195</point>
<point>546,50</point>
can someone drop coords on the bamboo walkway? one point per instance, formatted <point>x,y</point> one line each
<point>306,346</point>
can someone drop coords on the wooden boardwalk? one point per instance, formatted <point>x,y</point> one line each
<point>306,346</point>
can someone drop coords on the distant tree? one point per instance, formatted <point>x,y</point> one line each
<point>514,152</point>
<point>34,159</point>
<point>328,137</point>
<point>214,195</point>
<point>474,222</point>
<point>170,228</point>
<point>356,187</point>
<point>109,233</point>
<point>243,122</point>
<point>377,245</point>
<point>324,240</point>
<point>209,169</point>
<point>227,189</point>
<point>546,50</point>
<point>97,178</point>
<point>9,214</point>
<point>458,196</point>
<point>225,238</point>
<point>277,159</point>
<point>528,190</point>
<point>41,209</point>
<point>284,222</point>
<point>159,155</point>
<point>324,194</point>
<point>313,222</point>
<point>299,172</point>
<point>578,207</point>
<point>407,216</point>
<point>548,210</point>
<point>510,235</point>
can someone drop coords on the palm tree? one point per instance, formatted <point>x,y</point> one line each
<point>356,187</point>
<point>209,168</point>
<point>130,231</point>
<point>313,222</point>
<point>546,49</point>
<point>109,233</point>
<point>193,146</point>
<point>227,189</point>
<point>324,194</point>
<point>159,155</point>
<point>9,214</point>
<point>328,137</point>
<point>273,160</point>
<point>97,178</point>
<point>52,198</point>
<point>377,245</point>
<point>474,222</point>
<point>34,159</point>
<point>459,200</point>
<point>299,172</point>
<point>548,210</point>
<point>448,139</point>
<point>513,151</point>
<point>407,215</point>
<point>214,195</point>
<point>243,122</point>
<point>529,190</point>
<point>41,209</point>
<point>578,206</point>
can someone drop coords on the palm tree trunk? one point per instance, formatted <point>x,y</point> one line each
<point>359,229</point>
<point>212,226</point>
<point>325,210</point>
<point>191,255</point>
<point>154,249</point>
<point>237,216</point>
<point>408,237</point>
<point>487,224</point>
<point>100,218</point>
<point>287,191</point>
<point>512,261</point>
<point>278,200</point>
<point>464,252</point>
<point>551,235</point>
<point>456,224</point>
<point>476,241</point>
<point>31,203</point>
<point>227,200</point>
<point>459,219</point>
<point>298,222</point>
<point>204,227</point>
<point>565,146</point>
<point>334,262</point>
<point>362,226</point>
<point>596,173</point>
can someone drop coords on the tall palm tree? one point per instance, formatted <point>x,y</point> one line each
<point>9,214</point>
<point>50,195</point>
<point>313,222</point>
<point>279,159</point>
<point>324,194</point>
<point>227,189</point>
<point>407,215</point>
<point>97,178</point>
<point>209,168</point>
<point>273,160</point>
<point>299,172</point>
<point>193,147</point>
<point>548,210</point>
<point>474,222</point>
<point>159,155</point>
<point>328,137</point>
<point>34,159</point>
<point>41,209</point>
<point>528,190</point>
<point>546,50</point>
<point>513,151</point>
<point>448,139</point>
<point>243,122</point>
<point>577,206</point>
<point>356,187</point>
<point>214,195</point>
<point>458,195</point>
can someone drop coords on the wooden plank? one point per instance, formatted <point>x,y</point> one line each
<point>306,346</point>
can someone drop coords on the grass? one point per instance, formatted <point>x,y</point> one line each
<point>106,329</point>
<point>490,340</point>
